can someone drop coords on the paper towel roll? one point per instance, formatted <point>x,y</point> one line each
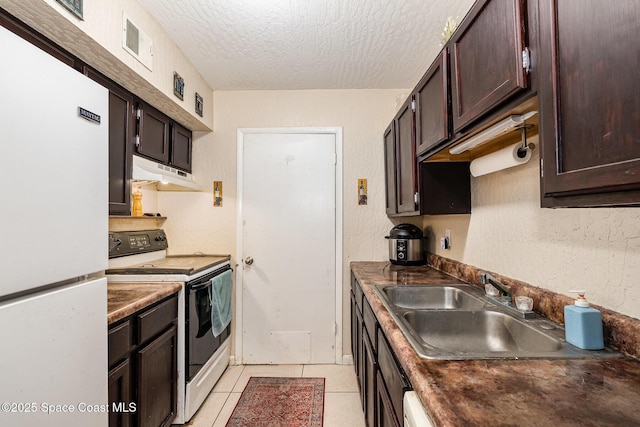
<point>501,159</point>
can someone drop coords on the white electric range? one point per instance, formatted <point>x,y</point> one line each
<point>141,257</point>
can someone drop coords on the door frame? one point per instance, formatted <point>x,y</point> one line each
<point>337,132</point>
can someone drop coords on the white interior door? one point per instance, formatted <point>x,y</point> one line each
<point>288,232</point>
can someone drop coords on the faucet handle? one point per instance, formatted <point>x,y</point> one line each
<point>488,279</point>
<point>491,290</point>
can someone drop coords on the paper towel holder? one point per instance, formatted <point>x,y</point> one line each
<point>507,157</point>
<point>522,152</point>
<point>505,125</point>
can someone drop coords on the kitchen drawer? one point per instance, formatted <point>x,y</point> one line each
<point>370,323</point>
<point>394,379</point>
<point>119,342</point>
<point>155,320</point>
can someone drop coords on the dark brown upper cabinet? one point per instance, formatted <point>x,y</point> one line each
<point>432,188</point>
<point>407,183</point>
<point>390,168</point>
<point>487,59</point>
<point>589,103</point>
<point>122,132</point>
<point>163,140</point>
<point>432,99</point>
<point>121,137</point>
<point>181,147</point>
<point>153,134</point>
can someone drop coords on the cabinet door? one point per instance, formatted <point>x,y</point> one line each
<point>157,376</point>
<point>154,134</point>
<point>121,137</point>
<point>122,133</point>
<point>354,332</point>
<point>390,168</point>
<point>360,361</point>
<point>432,105</point>
<point>487,59</point>
<point>120,395</point>
<point>369,378</point>
<point>181,147</point>
<point>385,415</point>
<point>406,186</point>
<point>394,378</point>
<point>589,103</point>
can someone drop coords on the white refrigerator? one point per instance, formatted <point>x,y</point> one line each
<point>54,125</point>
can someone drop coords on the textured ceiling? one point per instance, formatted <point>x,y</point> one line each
<point>308,44</point>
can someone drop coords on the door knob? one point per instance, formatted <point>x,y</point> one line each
<point>248,260</point>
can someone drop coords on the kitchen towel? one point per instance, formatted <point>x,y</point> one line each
<point>501,159</point>
<point>220,295</point>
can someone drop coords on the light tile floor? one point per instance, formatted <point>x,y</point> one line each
<point>341,398</point>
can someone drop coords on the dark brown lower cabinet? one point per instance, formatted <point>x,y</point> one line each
<point>393,376</point>
<point>385,414</point>
<point>381,379</point>
<point>360,358</point>
<point>355,337</point>
<point>369,362</point>
<point>157,377</point>
<point>120,394</point>
<point>143,367</point>
<point>369,377</point>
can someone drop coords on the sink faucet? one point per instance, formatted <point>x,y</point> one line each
<point>486,278</point>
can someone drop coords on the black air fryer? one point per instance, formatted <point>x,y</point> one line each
<point>406,245</point>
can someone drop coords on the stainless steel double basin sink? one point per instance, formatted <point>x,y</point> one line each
<point>456,322</point>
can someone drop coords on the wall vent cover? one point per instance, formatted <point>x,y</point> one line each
<point>136,42</point>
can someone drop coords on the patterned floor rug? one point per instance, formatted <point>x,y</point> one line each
<point>280,402</point>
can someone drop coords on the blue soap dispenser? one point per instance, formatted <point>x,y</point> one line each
<point>583,324</point>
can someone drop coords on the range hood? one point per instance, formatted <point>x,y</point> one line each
<point>167,178</point>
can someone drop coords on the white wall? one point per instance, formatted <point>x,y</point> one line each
<point>195,225</point>
<point>596,249</point>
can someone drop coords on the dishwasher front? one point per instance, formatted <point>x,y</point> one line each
<point>414,413</point>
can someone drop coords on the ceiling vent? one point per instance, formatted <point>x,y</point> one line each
<point>136,42</point>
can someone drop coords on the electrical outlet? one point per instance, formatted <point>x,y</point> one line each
<point>445,242</point>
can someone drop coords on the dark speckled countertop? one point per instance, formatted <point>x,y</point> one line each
<point>124,299</point>
<point>578,392</point>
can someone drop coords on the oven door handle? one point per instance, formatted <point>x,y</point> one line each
<point>201,285</point>
<point>208,282</point>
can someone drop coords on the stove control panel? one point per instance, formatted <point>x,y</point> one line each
<point>123,243</point>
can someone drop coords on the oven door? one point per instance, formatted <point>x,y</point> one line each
<point>200,342</point>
